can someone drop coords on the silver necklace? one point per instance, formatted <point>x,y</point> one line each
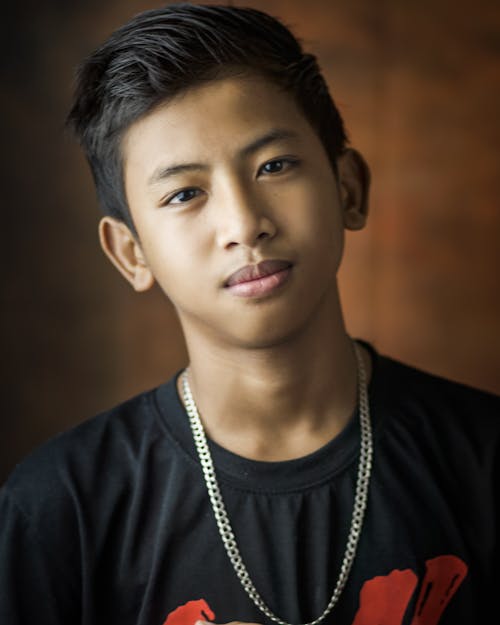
<point>219,509</point>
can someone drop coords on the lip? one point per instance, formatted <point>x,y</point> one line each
<point>260,279</point>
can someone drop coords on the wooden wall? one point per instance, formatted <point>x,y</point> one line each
<point>418,83</point>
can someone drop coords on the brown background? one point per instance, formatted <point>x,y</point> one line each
<point>418,83</point>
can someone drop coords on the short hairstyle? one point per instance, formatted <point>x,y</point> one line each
<point>161,53</point>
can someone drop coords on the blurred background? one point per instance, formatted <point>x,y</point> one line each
<point>418,83</point>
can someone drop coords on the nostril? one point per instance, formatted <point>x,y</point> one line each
<point>263,235</point>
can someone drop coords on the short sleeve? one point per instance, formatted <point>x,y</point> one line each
<point>34,588</point>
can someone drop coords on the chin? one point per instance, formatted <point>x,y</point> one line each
<point>267,333</point>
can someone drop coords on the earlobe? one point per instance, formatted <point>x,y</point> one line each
<point>123,250</point>
<point>354,183</point>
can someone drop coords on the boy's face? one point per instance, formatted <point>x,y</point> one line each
<point>226,176</point>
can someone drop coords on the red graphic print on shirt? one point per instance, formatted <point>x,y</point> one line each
<point>386,598</point>
<point>383,600</point>
<point>443,576</point>
<point>189,613</point>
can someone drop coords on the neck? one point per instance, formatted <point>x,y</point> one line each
<point>278,402</point>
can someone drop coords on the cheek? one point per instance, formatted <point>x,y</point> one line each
<point>320,232</point>
<point>314,215</point>
<point>176,254</point>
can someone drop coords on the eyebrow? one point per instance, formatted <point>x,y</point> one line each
<point>273,136</point>
<point>276,134</point>
<point>163,173</point>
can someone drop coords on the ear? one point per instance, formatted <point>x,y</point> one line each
<point>354,183</point>
<point>123,250</point>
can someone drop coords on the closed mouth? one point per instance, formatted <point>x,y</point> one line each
<point>256,272</point>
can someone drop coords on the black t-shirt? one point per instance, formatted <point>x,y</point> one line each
<point>110,523</point>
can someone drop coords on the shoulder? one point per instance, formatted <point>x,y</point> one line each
<point>434,406</point>
<point>428,388</point>
<point>97,454</point>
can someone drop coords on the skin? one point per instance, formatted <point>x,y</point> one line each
<point>274,377</point>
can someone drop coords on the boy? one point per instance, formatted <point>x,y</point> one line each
<point>289,474</point>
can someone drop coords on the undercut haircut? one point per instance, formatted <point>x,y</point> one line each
<point>160,54</point>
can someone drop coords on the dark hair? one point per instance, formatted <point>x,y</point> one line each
<point>163,52</point>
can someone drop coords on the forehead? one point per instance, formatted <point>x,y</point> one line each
<point>212,121</point>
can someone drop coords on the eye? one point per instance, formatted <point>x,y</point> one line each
<point>183,196</point>
<point>277,165</point>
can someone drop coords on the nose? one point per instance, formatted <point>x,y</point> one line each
<point>243,218</point>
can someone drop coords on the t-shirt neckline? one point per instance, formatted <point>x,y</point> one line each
<point>266,476</point>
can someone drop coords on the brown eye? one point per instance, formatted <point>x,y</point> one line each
<point>273,166</point>
<point>185,195</point>
<point>278,165</point>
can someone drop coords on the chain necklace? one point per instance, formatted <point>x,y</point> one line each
<point>220,513</point>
